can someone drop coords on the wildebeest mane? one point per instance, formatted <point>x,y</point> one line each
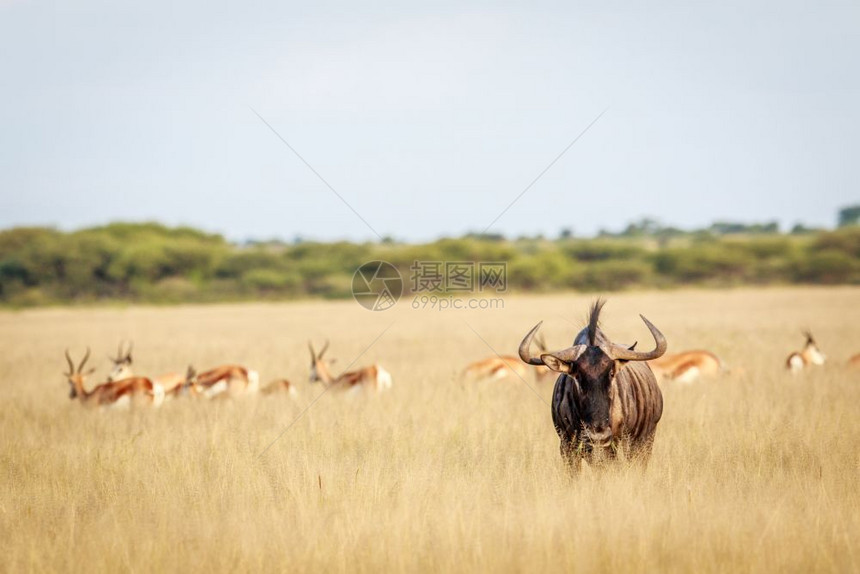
<point>594,319</point>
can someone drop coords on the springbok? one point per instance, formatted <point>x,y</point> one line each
<point>223,381</point>
<point>372,378</point>
<point>122,370</point>
<point>606,397</point>
<point>854,362</point>
<point>687,366</point>
<point>123,393</point>
<point>278,387</point>
<point>810,355</point>
<point>503,367</point>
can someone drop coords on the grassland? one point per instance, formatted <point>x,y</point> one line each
<point>755,472</point>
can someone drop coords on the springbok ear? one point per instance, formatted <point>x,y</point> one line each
<point>555,363</point>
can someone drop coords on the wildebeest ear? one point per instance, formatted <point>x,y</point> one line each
<point>555,363</point>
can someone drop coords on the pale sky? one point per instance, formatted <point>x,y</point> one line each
<point>428,119</point>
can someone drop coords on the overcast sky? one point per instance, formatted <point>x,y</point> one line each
<point>428,119</point>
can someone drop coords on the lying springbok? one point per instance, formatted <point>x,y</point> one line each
<point>123,393</point>
<point>687,366</point>
<point>280,386</point>
<point>223,381</point>
<point>371,379</point>
<point>122,370</point>
<point>503,367</point>
<point>810,355</point>
<point>606,397</point>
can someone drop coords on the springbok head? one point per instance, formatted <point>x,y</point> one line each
<point>593,362</point>
<point>190,384</point>
<point>318,364</point>
<point>121,363</point>
<point>76,376</point>
<point>811,351</point>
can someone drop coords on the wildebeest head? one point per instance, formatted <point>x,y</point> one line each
<point>593,362</point>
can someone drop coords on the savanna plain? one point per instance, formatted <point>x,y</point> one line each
<point>754,471</point>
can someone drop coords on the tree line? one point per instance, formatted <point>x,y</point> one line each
<point>149,262</point>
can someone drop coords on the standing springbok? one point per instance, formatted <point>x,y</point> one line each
<point>606,397</point>
<point>810,355</point>
<point>687,366</point>
<point>122,370</point>
<point>504,367</point>
<point>123,393</point>
<point>373,378</point>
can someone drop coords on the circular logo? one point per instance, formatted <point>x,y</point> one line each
<point>377,285</point>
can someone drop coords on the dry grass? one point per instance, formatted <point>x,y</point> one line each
<point>755,472</point>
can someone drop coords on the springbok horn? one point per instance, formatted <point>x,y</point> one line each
<point>128,353</point>
<point>71,364</point>
<point>525,347</point>
<point>313,353</point>
<point>118,358</point>
<point>620,353</point>
<point>84,360</point>
<point>324,348</point>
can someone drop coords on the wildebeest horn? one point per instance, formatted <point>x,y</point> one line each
<point>619,352</point>
<point>525,347</point>
<point>71,364</point>
<point>84,360</point>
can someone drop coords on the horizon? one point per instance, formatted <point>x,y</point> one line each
<point>547,235</point>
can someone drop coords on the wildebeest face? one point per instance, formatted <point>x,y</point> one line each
<point>592,373</point>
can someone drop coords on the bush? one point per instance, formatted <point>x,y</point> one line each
<point>151,262</point>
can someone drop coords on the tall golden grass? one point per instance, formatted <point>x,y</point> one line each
<point>752,472</point>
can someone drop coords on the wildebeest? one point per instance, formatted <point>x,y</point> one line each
<point>606,397</point>
<point>810,355</point>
